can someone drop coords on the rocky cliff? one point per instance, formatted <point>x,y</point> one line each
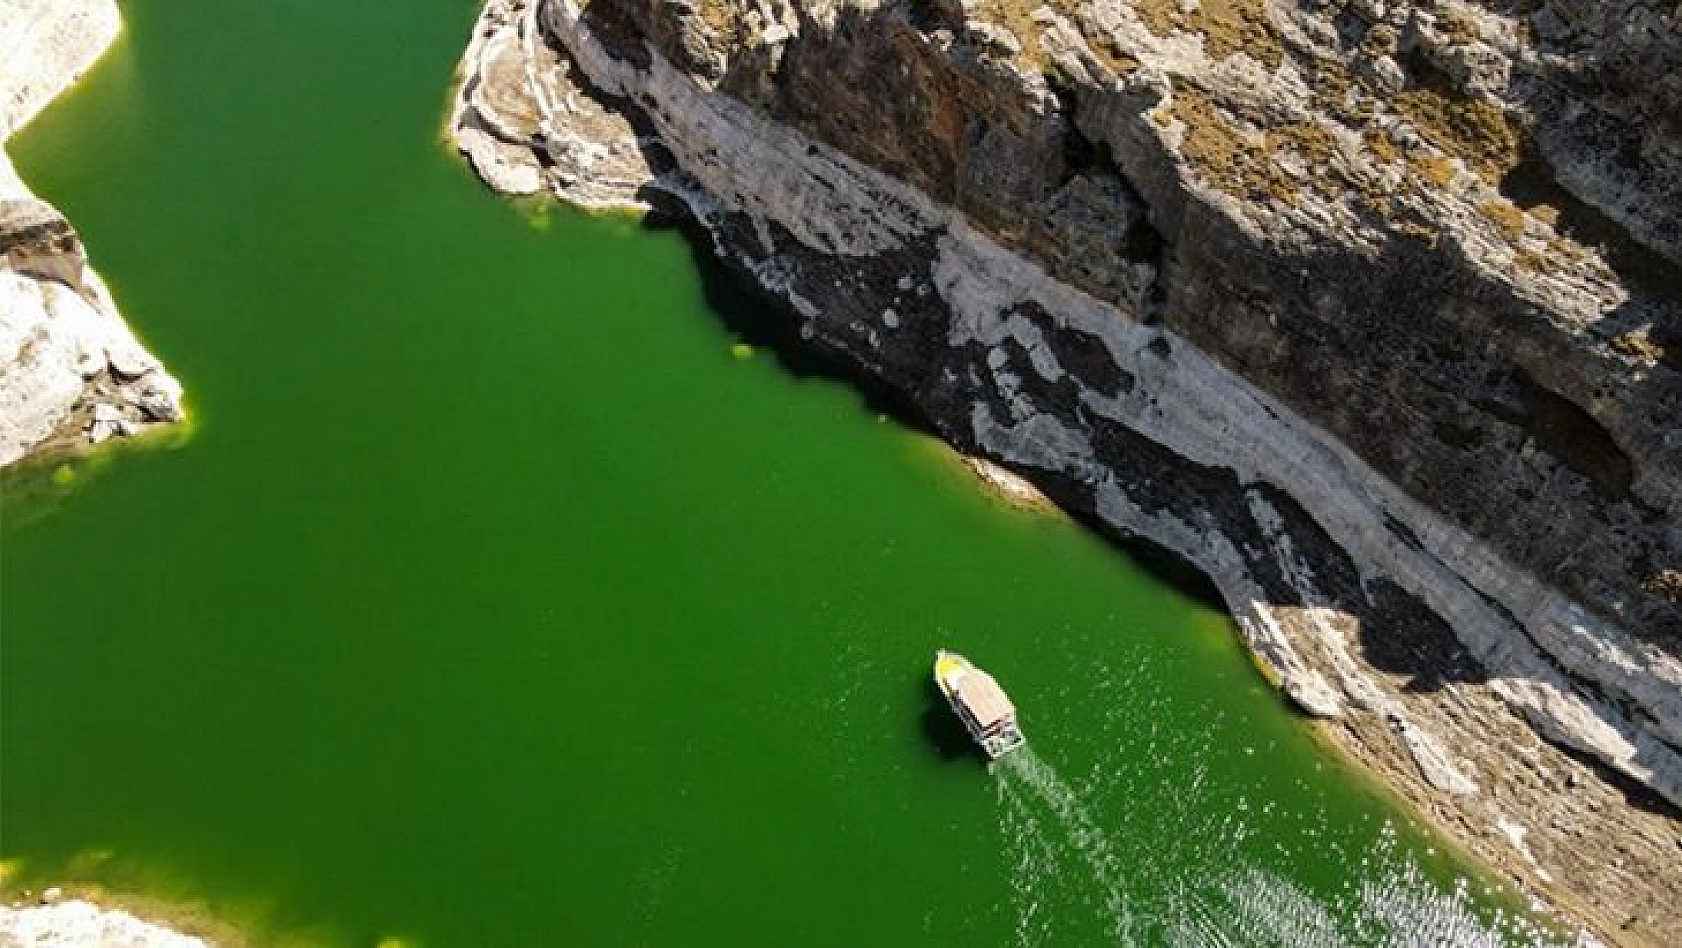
<point>71,372</point>
<point>1371,310</point>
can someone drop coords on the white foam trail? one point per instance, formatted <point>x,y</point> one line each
<point>1391,905</point>
<point>1034,862</point>
<point>1052,834</point>
<point>1193,889</point>
<point>1150,846</point>
<point>1268,910</point>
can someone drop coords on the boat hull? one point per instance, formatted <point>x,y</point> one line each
<point>979,703</point>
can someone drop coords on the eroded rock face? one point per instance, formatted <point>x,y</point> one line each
<point>71,372</point>
<point>1340,302</point>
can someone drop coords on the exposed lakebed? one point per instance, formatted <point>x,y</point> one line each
<point>498,599</point>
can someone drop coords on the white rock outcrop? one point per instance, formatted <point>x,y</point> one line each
<point>71,371</point>
<point>79,924</point>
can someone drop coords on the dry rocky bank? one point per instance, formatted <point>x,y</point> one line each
<point>76,923</point>
<point>71,372</point>
<point>1371,309</point>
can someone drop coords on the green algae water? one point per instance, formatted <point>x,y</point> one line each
<point>499,597</point>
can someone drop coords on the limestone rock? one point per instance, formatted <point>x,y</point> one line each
<point>79,924</point>
<point>61,339</point>
<point>530,130</point>
<point>48,44</point>
<point>161,400</point>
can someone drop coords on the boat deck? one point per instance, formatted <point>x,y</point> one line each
<point>983,697</point>
<point>987,713</point>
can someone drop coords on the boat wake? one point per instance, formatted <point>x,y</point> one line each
<point>1188,886</point>
<point>1056,849</point>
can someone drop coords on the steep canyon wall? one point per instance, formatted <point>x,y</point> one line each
<point>1368,310</point>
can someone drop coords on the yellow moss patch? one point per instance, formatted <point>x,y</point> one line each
<point>1378,204</point>
<point>1228,27</point>
<point>1017,17</point>
<point>1473,130</point>
<point>1560,247</point>
<point>1111,54</point>
<point>1306,138</point>
<point>1437,170</point>
<point>1254,166</point>
<point>1419,232</point>
<point>1380,146</point>
<point>1546,213</point>
<point>1456,27</point>
<point>1223,156</point>
<point>1531,261</point>
<point>1334,91</point>
<point>720,16</point>
<point>1666,583</point>
<point>1314,145</point>
<point>1507,217</point>
<point>1639,344</point>
<point>1159,16</point>
<point>1381,40</point>
<point>1234,26</point>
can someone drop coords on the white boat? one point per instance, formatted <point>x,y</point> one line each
<point>979,702</point>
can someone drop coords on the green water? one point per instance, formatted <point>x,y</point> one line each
<point>494,601</point>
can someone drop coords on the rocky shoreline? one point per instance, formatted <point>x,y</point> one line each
<point>1060,240</point>
<point>72,373</point>
<point>61,922</point>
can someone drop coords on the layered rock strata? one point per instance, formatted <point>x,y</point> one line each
<point>1368,310</point>
<point>71,372</point>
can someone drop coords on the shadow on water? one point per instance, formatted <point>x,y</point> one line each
<point>34,488</point>
<point>942,729</point>
<point>762,321</point>
<point>1163,565</point>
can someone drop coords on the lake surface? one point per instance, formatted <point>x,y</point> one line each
<point>495,600</point>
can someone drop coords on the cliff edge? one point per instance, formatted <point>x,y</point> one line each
<point>1370,309</point>
<point>71,372</point>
